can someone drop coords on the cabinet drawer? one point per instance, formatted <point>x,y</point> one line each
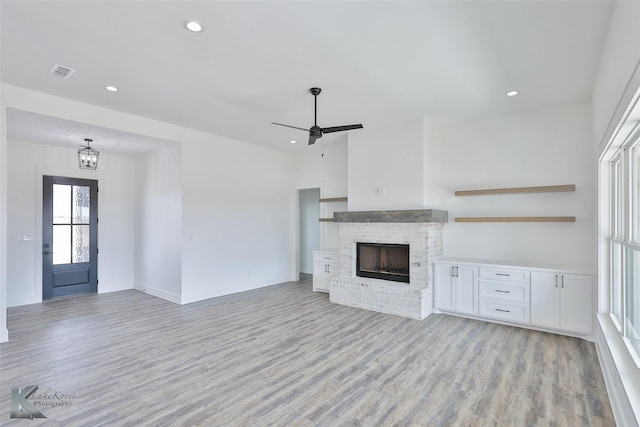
<point>507,274</point>
<point>505,291</point>
<point>511,312</point>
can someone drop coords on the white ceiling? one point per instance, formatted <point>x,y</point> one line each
<point>376,62</point>
<point>31,127</point>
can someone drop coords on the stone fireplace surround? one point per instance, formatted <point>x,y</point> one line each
<point>420,229</point>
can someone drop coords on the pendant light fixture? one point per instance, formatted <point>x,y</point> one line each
<point>87,156</point>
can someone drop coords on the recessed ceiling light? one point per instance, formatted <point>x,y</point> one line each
<point>193,26</point>
<point>111,88</point>
<point>293,142</point>
<point>512,93</point>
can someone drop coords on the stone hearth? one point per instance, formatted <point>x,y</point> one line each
<point>421,230</point>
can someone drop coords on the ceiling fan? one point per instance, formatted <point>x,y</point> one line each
<point>316,131</point>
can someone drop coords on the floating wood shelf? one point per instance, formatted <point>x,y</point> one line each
<point>516,219</point>
<point>515,190</point>
<point>325,219</point>
<point>334,199</point>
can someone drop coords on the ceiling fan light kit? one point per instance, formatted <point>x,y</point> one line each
<point>315,131</point>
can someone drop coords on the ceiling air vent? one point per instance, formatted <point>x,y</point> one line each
<point>61,71</point>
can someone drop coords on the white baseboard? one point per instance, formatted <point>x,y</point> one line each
<point>169,296</point>
<point>15,302</point>
<point>105,289</point>
<point>4,335</point>
<point>621,375</point>
<point>232,289</point>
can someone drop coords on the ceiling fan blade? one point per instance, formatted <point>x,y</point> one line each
<point>312,138</point>
<point>288,126</point>
<point>341,128</point>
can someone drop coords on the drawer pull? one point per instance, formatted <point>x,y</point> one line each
<point>504,311</point>
<point>503,274</point>
<point>504,292</point>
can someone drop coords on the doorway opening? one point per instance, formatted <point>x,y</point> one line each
<point>69,236</point>
<point>309,208</point>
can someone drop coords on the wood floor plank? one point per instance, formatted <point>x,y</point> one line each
<point>284,355</point>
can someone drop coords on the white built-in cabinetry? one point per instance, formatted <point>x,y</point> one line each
<point>558,300</point>
<point>504,293</point>
<point>325,266</point>
<point>456,288</point>
<point>562,301</point>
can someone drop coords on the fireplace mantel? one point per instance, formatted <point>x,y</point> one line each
<point>416,215</point>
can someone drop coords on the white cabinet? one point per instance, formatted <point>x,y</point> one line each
<point>562,301</point>
<point>325,266</point>
<point>504,293</point>
<point>555,300</point>
<point>456,288</point>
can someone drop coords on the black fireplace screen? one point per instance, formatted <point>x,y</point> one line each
<point>383,261</point>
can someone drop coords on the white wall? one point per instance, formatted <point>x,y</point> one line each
<point>620,57</point>
<point>386,167</point>
<point>309,227</point>
<point>158,237</point>
<point>546,146</point>
<point>236,197</point>
<point>236,217</point>
<point>24,216</point>
<point>329,173</point>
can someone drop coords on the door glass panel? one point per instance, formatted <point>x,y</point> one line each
<point>81,243</point>
<point>81,203</point>
<point>61,244</point>
<point>61,204</point>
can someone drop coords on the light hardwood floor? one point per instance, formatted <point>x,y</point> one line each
<point>286,356</point>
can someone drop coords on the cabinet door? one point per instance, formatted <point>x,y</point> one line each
<point>466,290</point>
<point>444,286</point>
<point>545,299</point>
<point>576,303</point>
<point>332,269</point>
<point>320,277</point>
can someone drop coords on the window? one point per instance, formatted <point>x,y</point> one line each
<point>634,177</point>
<point>631,327</point>
<point>624,243</point>
<point>615,247</point>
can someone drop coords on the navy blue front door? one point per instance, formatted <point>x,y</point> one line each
<point>69,236</point>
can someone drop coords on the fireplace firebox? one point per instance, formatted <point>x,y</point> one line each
<point>383,261</point>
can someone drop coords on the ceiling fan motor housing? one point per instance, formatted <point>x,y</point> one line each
<point>316,131</point>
